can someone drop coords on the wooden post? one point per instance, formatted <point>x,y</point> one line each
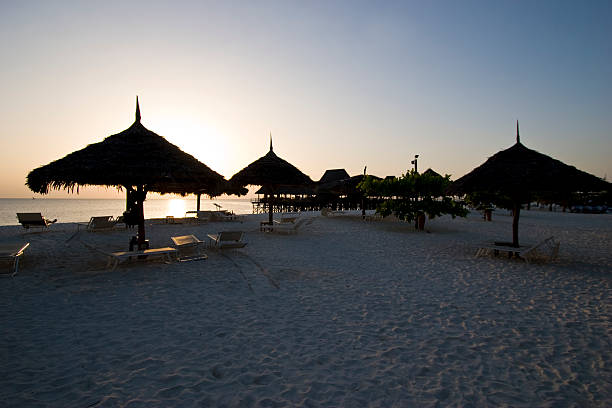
<point>270,209</point>
<point>516,212</point>
<point>141,194</point>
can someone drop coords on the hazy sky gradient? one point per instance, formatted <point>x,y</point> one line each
<point>339,84</point>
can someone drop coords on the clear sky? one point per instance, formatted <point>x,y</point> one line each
<point>339,84</point>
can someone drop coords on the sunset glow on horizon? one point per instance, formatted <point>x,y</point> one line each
<point>342,84</point>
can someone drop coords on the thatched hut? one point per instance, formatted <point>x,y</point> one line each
<point>272,173</point>
<point>518,173</point>
<point>332,176</point>
<point>136,159</point>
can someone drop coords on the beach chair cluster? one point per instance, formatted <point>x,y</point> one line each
<point>187,248</point>
<point>212,216</point>
<point>168,254</point>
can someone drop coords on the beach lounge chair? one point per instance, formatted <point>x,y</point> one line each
<point>167,253</point>
<point>227,240</point>
<point>101,223</point>
<point>188,244</point>
<point>290,227</point>
<point>223,216</point>
<point>327,212</point>
<point>11,253</point>
<point>547,249</point>
<point>34,220</point>
<point>286,220</point>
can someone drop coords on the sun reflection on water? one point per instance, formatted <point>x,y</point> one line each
<point>176,207</point>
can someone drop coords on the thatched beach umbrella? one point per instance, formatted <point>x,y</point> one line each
<point>136,159</point>
<point>520,173</point>
<point>270,172</point>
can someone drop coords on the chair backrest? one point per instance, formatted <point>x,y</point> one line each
<point>105,221</point>
<point>230,236</point>
<point>12,250</point>
<point>185,240</point>
<point>31,218</point>
<point>548,247</point>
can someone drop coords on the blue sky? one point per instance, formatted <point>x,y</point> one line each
<point>339,84</point>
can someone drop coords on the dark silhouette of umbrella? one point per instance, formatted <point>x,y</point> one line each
<point>136,159</point>
<point>272,173</point>
<point>520,173</point>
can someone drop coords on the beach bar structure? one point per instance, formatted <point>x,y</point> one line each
<point>286,199</point>
<point>335,190</point>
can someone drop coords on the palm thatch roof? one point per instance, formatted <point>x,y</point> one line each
<point>333,175</point>
<point>136,156</point>
<point>431,172</point>
<point>520,172</point>
<point>270,170</point>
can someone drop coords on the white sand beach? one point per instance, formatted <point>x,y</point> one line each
<point>343,314</point>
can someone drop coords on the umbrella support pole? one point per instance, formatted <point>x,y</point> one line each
<point>516,212</point>
<point>141,195</point>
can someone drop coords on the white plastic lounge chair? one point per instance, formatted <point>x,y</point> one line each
<point>167,253</point>
<point>223,216</point>
<point>286,221</point>
<point>12,252</point>
<point>327,212</point>
<point>547,249</point>
<point>101,223</point>
<point>227,240</point>
<point>291,227</point>
<point>188,244</point>
<point>34,220</point>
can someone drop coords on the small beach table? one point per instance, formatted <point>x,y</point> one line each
<point>167,253</point>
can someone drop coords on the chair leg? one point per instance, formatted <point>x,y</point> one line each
<point>16,266</point>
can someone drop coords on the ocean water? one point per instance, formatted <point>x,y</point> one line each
<point>81,210</point>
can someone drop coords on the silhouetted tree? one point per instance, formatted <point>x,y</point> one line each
<point>412,196</point>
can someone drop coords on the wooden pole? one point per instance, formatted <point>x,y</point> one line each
<point>270,209</point>
<point>141,194</point>
<point>516,212</point>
